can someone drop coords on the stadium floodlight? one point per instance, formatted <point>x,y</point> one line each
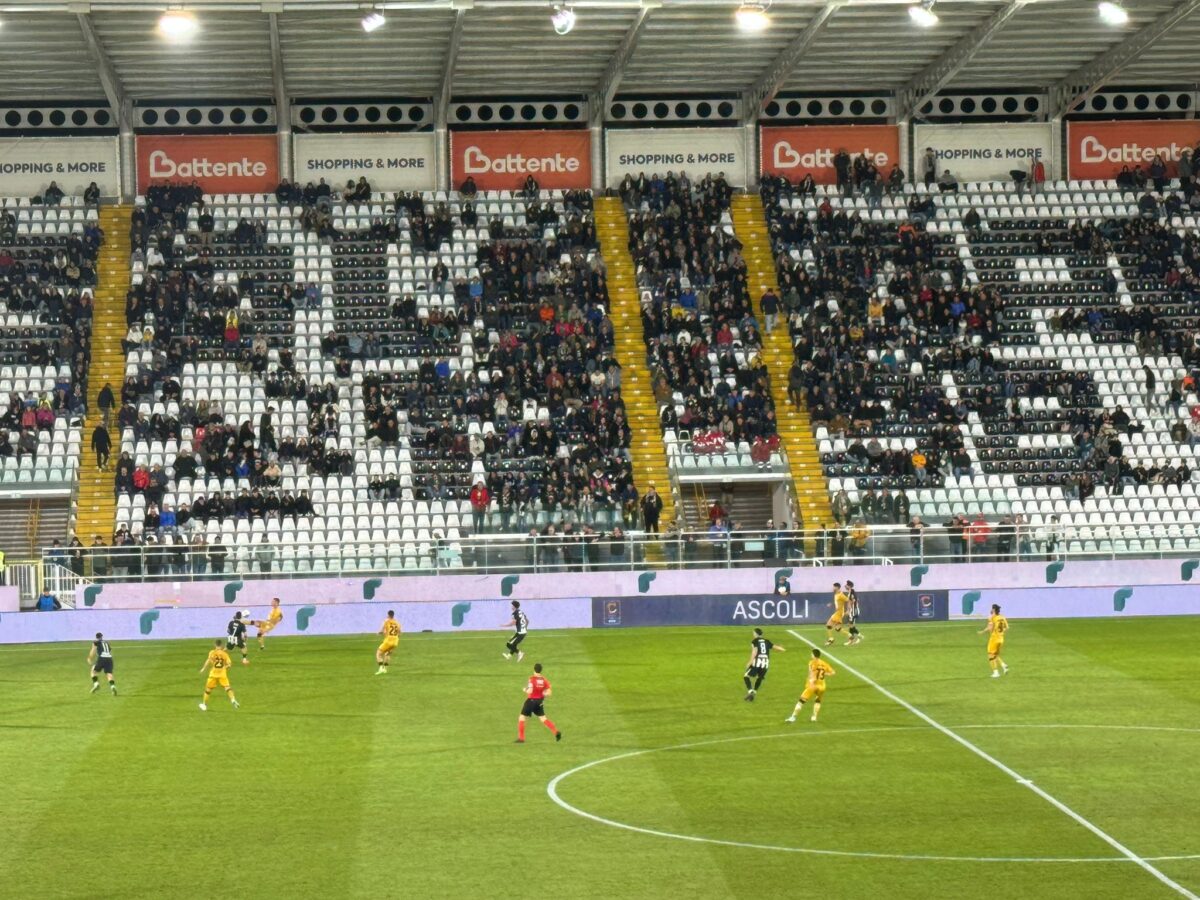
<point>373,21</point>
<point>752,17</point>
<point>177,26</point>
<point>922,14</point>
<point>1113,13</point>
<point>563,19</point>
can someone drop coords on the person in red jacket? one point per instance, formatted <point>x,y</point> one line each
<point>141,478</point>
<point>480,498</point>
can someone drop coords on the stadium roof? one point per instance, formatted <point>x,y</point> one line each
<point>65,51</point>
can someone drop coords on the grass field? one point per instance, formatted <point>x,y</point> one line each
<point>332,782</point>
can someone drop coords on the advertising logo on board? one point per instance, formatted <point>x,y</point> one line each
<point>1099,150</point>
<point>502,160</point>
<point>220,164</point>
<point>794,152</point>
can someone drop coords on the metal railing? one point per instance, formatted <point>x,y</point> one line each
<point>595,552</point>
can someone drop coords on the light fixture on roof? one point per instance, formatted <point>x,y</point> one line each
<point>1113,13</point>
<point>373,21</point>
<point>752,17</point>
<point>563,19</point>
<point>177,25</point>
<point>922,14</point>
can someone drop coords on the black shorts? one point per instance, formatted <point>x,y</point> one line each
<point>239,642</point>
<point>756,672</point>
<point>515,640</point>
<point>533,708</point>
<point>104,664</point>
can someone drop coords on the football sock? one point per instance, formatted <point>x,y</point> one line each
<point>96,680</point>
<point>521,730</point>
<point>816,710</point>
<point>745,679</point>
<point>992,663</point>
<point>550,725</point>
<point>853,630</point>
<point>758,682</point>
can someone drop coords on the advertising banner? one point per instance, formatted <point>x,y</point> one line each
<point>1098,150</point>
<point>28,165</point>
<point>220,164</point>
<point>695,151</point>
<point>389,162</point>
<point>343,618</point>
<point>1079,602</point>
<point>794,152</point>
<point>501,160</point>
<point>760,609</point>
<point>986,152</point>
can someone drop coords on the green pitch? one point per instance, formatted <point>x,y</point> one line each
<point>333,782</point>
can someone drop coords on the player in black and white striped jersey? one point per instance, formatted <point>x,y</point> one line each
<point>853,610</point>
<point>100,658</point>
<point>760,661</point>
<point>520,624</point>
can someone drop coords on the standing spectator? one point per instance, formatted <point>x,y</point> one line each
<point>47,602</point>
<point>1151,383</point>
<point>199,555</point>
<point>100,558</point>
<point>916,538</point>
<point>979,531</point>
<point>929,167</point>
<point>770,309</point>
<point>265,553</point>
<point>1005,534</point>
<point>101,445</point>
<point>651,508</point>
<point>480,498</point>
<point>955,532</point>
<point>216,556</point>
<point>106,401</point>
<point>75,556</point>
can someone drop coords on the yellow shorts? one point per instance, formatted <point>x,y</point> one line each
<point>994,647</point>
<point>388,645</point>
<point>266,627</point>
<point>810,692</point>
<point>214,680</point>
<point>835,619</point>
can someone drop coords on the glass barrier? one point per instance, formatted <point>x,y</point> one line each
<point>260,556</point>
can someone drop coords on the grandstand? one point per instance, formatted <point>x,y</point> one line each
<point>585,342</point>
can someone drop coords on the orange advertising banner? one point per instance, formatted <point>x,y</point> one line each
<point>220,164</point>
<point>794,152</point>
<point>502,160</point>
<point>1099,150</point>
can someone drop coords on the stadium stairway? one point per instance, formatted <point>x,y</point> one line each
<point>96,507</point>
<point>647,448</point>
<point>811,491</point>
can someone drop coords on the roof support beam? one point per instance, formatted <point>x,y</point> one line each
<point>926,83</point>
<point>279,82</point>
<point>1081,84</point>
<point>114,90</point>
<point>441,108</point>
<point>770,82</point>
<point>606,90</point>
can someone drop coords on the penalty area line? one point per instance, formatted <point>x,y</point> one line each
<point>1007,770</point>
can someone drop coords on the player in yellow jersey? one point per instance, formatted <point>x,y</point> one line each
<point>840,599</point>
<point>218,664</point>
<point>814,689</point>
<point>266,626</point>
<point>391,637</point>
<point>996,630</point>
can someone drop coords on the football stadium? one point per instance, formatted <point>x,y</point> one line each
<point>600,449</point>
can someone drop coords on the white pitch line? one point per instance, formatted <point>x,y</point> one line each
<point>1012,773</point>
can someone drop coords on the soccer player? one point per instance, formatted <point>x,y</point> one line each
<point>100,658</point>
<point>814,690</point>
<point>520,624</point>
<point>853,610</point>
<point>760,661</point>
<point>236,636</point>
<point>996,629</point>
<point>220,664</point>
<point>391,637</point>
<point>274,617</point>
<point>839,612</point>
<point>536,691</point>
